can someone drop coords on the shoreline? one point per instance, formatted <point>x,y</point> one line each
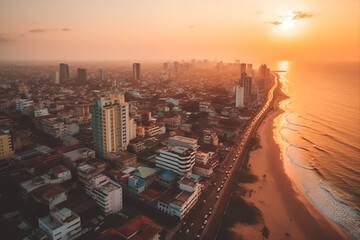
<point>286,212</point>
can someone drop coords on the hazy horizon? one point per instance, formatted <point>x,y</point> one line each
<point>259,31</point>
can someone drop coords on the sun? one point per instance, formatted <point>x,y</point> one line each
<point>287,20</point>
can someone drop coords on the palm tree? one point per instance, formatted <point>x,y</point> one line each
<point>265,232</point>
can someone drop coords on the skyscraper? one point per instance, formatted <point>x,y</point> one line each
<point>136,71</point>
<point>239,101</point>
<point>64,72</point>
<point>245,82</point>
<point>242,68</point>
<point>56,77</point>
<point>102,73</point>
<point>110,124</point>
<point>249,70</point>
<point>82,74</point>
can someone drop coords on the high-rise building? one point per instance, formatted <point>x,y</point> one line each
<point>102,73</point>
<point>82,74</point>
<point>262,71</point>
<point>242,68</point>
<point>249,70</point>
<point>176,68</point>
<point>56,77</point>
<point>110,124</point>
<point>239,101</point>
<point>64,72</point>
<point>245,82</point>
<point>136,71</point>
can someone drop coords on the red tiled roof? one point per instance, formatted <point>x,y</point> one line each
<point>139,228</point>
<point>59,169</point>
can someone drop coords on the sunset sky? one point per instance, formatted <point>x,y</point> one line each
<point>259,30</point>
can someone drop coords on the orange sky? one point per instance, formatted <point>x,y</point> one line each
<point>257,30</point>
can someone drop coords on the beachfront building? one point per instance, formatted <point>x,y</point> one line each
<point>184,142</point>
<point>110,123</point>
<point>61,224</point>
<point>178,159</point>
<point>179,201</point>
<point>106,193</point>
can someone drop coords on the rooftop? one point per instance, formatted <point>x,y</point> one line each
<point>183,139</point>
<point>144,172</point>
<point>58,218</point>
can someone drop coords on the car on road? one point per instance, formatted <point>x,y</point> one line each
<point>209,212</point>
<point>206,216</point>
<point>218,189</point>
<point>187,231</point>
<point>217,197</point>
<point>205,222</point>
<point>191,225</point>
<point>198,236</point>
<point>202,227</point>
<point>210,209</point>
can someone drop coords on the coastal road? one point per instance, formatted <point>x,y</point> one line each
<point>216,191</point>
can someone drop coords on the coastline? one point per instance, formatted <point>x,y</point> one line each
<point>287,213</point>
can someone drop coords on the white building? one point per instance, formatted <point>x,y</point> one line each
<point>61,225</point>
<point>56,77</point>
<point>57,128</point>
<point>106,193</point>
<point>239,101</point>
<point>23,104</point>
<point>132,129</point>
<point>210,137</point>
<point>184,142</point>
<point>41,112</point>
<point>178,159</point>
<point>180,201</point>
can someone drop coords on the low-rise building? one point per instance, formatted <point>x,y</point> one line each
<point>106,193</point>
<point>61,224</point>
<point>122,159</point>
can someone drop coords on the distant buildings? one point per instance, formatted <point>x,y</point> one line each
<point>239,97</point>
<point>64,72</point>
<point>61,224</point>
<point>56,77</point>
<point>82,75</point>
<point>246,82</point>
<point>102,74</point>
<point>249,70</point>
<point>106,193</point>
<point>110,123</point>
<point>136,71</point>
<point>242,68</point>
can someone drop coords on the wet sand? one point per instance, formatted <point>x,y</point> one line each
<point>287,213</point>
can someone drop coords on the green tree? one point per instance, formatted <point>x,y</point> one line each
<point>265,232</point>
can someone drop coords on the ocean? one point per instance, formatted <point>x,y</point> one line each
<point>319,135</point>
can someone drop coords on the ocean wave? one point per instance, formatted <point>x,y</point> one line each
<point>319,148</point>
<point>331,206</point>
<point>293,159</point>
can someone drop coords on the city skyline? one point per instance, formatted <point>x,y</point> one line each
<point>154,30</point>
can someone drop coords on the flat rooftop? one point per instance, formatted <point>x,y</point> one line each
<point>183,139</point>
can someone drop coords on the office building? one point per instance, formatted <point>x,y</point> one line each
<point>249,70</point>
<point>110,123</point>
<point>178,159</point>
<point>56,77</point>
<point>64,72</point>
<point>239,100</point>
<point>246,82</point>
<point>102,73</point>
<point>61,224</point>
<point>242,68</point>
<point>106,193</point>
<point>185,142</point>
<point>136,71</point>
<point>82,75</point>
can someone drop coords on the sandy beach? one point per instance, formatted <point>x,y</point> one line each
<point>287,213</point>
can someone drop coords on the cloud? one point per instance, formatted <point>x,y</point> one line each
<point>276,23</point>
<point>38,30</point>
<point>301,15</point>
<point>191,27</point>
<point>66,29</point>
<point>5,39</point>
